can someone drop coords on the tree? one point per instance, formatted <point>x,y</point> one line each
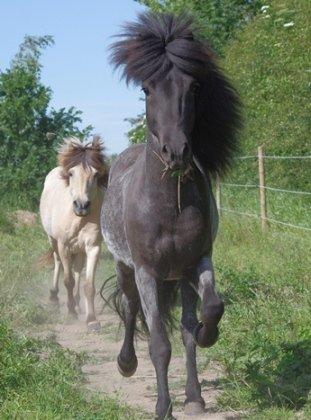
<point>29,131</point>
<point>137,134</point>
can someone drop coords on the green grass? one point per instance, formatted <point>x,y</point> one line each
<point>265,344</point>
<point>270,65</point>
<point>38,379</point>
<point>285,207</point>
<point>20,284</point>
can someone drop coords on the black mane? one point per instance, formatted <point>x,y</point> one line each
<point>155,45</point>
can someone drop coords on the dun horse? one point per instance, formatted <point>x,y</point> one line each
<point>70,213</point>
<point>159,217</point>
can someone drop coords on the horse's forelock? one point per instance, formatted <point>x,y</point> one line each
<point>147,48</point>
<point>90,154</point>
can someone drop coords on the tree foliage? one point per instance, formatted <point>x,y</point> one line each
<point>137,134</point>
<point>29,129</point>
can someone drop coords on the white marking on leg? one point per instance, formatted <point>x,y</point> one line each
<point>57,267</point>
<point>92,255</point>
<point>206,275</point>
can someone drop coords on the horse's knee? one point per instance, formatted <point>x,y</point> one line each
<point>160,351</point>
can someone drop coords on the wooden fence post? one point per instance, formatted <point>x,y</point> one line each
<point>262,190</point>
<point>218,194</point>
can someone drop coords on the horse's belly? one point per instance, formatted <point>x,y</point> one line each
<point>118,249</point>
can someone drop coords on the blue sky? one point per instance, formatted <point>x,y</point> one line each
<point>76,67</point>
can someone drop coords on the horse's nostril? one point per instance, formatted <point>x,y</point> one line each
<point>75,203</point>
<point>87,204</point>
<point>164,149</point>
<point>185,150</point>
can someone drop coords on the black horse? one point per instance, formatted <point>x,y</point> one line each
<point>159,217</point>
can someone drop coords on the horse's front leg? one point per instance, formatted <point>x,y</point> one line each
<point>78,264</point>
<point>159,345</point>
<point>92,255</point>
<point>127,360</point>
<point>194,403</point>
<point>212,307</point>
<point>66,259</point>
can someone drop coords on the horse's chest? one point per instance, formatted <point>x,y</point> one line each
<point>76,243</point>
<point>79,240</point>
<point>183,240</point>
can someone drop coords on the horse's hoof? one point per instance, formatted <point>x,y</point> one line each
<point>194,408</point>
<point>127,369</point>
<point>166,416</point>
<point>93,326</point>
<point>205,338</point>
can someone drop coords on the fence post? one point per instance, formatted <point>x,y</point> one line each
<point>262,190</point>
<point>218,194</point>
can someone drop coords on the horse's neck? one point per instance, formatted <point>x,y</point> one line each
<point>157,180</point>
<point>164,188</point>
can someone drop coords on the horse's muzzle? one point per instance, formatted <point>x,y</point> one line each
<point>81,209</point>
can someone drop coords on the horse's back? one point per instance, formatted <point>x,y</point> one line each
<point>124,161</point>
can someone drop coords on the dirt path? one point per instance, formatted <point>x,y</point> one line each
<point>140,391</point>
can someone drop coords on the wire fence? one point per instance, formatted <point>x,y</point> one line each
<point>262,187</point>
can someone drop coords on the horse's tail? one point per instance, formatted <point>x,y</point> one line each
<point>45,259</point>
<point>112,296</point>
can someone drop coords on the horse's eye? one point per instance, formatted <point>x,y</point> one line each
<point>70,173</point>
<point>195,88</point>
<point>145,90</point>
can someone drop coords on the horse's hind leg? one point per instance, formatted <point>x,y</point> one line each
<point>57,268</point>
<point>212,307</point>
<point>194,403</point>
<point>127,360</point>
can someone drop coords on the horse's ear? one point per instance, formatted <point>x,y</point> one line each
<point>97,142</point>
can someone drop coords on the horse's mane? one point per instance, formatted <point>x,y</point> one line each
<point>157,44</point>
<point>88,153</point>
